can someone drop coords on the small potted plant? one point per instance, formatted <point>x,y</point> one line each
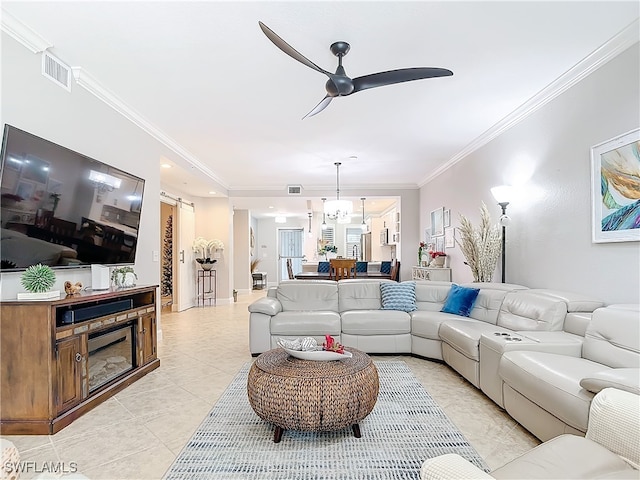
<point>205,249</point>
<point>124,277</point>
<point>37,281</point>
<point>437,259</point>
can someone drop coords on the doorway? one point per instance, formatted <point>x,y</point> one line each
<point>290,246</point>
<point>167,260</point>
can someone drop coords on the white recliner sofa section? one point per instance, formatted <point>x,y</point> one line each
<point>550,393</point>
<point>610,449</point>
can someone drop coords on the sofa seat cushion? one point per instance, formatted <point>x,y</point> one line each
<point>301,323</point>
<point>567,456</point>
<point>552,382</point>
<point>426,324</point>
<point>376,322</point>
<point>464,335</point>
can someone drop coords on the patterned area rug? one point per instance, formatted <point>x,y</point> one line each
<point>405,427</point>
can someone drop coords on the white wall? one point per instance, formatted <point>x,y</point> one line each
<point>79,121</point>
<point>214,219</point>
<point>549,239</point>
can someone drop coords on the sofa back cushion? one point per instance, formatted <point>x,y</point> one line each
<point>613,338</point>
<point>431,295</point>
<point>487,306</point>
<point>358,295</point>
<point>522,310</point>
<point>310,296</point>
<point>576,302</point>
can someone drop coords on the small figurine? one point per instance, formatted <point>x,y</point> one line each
<point>72,289</point>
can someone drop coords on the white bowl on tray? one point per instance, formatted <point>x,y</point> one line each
<point>318,355</point>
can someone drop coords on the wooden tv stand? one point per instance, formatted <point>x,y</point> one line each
<point>46,348</point>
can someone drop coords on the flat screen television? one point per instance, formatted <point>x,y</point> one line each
<point>63,209</point>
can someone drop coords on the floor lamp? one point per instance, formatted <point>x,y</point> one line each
<point>502,194</point>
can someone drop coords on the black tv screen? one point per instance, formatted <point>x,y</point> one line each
<point>63,209</point>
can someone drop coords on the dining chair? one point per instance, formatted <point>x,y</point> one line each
<point>290,269</point>
<point>323,267</point>
<point>342,268</point>
<point>395,270</point>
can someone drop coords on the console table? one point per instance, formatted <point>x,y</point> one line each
<point>429,273</point>
<point>207,288</point>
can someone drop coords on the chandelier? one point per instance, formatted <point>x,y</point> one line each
<point>337,209</point>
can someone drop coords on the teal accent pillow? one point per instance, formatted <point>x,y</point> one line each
<point>460,300</point>
<point>398,296</point>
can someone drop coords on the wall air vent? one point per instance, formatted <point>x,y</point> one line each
<point>56,71</point>
<point>294,189</point>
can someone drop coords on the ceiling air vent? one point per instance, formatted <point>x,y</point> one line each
<point>294,189</point>
<point>56,71</point>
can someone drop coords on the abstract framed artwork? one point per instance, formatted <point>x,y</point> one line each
<point>615,189</point>
<point>437,225</point>
<point>440,243</point>
<point>447,218</point>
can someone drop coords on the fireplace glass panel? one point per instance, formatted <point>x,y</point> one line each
<point>111,354</point>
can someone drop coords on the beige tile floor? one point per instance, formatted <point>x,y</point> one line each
<point>138,433</point>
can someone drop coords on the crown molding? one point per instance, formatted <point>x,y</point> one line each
<point>86,81</point>
<point>596,59</point>
<point>22,33</point>
<point>344,190</point>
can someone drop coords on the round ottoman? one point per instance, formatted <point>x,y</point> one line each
<point>296,394</point>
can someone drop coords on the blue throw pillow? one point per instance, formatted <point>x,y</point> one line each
<point>460,300</point>
<point>398,296</point>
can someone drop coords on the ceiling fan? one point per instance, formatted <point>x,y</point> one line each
<point>339,84</point>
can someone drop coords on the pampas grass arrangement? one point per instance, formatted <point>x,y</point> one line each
<point>480,246</point>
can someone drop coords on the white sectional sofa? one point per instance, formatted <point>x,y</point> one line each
<point>540,354</point>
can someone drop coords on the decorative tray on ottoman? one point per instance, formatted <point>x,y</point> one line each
<point>318,355</point>
<point>308,349</point>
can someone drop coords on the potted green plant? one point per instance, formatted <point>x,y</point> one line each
<point>124,277</point>
<point>38,280</point>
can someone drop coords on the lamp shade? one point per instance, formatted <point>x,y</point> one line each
<point>338,209</point>
<point>503,193</point>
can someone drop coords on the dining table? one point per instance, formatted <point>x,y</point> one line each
<point>326,276</point>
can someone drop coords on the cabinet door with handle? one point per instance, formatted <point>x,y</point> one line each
<point>148,338</point>
<point>69,362</point>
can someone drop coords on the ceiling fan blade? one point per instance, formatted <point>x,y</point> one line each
<point>324,103</point>
<point>289,50</point>
<point>397,76</point>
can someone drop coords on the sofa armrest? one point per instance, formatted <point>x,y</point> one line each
<point>448,466</point>
<point>614,423</point>
<point>267,305</point>
<point>627,379</point>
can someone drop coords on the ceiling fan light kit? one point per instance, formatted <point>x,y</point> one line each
<point>339,84</point>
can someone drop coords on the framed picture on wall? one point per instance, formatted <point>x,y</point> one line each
<point>447,218</point>
<point>437,226</point>
<point>440,243</point>
<point>449,237</point>
<point>615,210</point>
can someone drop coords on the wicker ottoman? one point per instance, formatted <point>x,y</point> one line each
<point>296,394</point>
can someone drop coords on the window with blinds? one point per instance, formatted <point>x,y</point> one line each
<point>328,236</point>
<point>353,242</point>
